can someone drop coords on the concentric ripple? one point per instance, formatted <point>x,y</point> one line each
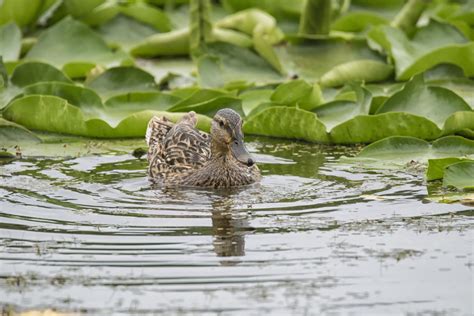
<point>90,235</point>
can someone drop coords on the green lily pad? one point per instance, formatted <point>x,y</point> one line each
<point>436,167</point>
<point>287,122</point>
<point>339,111</point>
<point>298,93</point>
<point>125,32</point>
<point>401,149</point>
<point>460,175</point>
<point>122,80</point>
<point>357,70</point>
<point>234,64</point>
<point>84,98</point>
<point>431,45</point>
<point>55,114</point>
<point>58,46</point>
<point>313,58</point>
<point>253,98</point>
<point>434,103</point>
<point>12,134</point>
<point>22,12</point>
<point>10,42</point>
<point>33,72</point>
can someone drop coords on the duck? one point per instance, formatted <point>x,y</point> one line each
<point>181,155</point>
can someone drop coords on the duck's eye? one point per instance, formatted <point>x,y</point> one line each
<point>221,123</point>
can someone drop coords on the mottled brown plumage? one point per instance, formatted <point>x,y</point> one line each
<point>180,155</point>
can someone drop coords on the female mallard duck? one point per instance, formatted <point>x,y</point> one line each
<point>179,154</point>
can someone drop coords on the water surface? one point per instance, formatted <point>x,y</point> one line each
<point>90,235</point>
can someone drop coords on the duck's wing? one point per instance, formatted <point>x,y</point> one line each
<point>185,147</point>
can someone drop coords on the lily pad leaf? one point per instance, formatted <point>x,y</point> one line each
<point>434,103</point>
<point>58,46</point>
<point>402,150</point>
<point>120,80</point>
<point>436,167</point>
<point>85,98</point>
<point>22,12</point>
<point>33,72</point>
<point>287,122</point>
<point>460,175</point>
<point>313,58</point>
<point>55,114</point>
<point>10,42</point>
<point>339,111</point>
<point>233,64</point>
<point>364,70</point>
<point>12,134</point>
<point>125,32</point>
<point>253,98</point>
<point>431,45</point>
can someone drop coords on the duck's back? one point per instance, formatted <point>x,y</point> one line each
<point>175,149</point>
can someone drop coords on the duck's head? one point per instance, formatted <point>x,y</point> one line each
<point>227,136</point>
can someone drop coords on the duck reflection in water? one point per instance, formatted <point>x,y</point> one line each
<point>229,227</point>
<point>229,224</point>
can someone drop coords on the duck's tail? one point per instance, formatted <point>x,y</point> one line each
<point>157,129</point>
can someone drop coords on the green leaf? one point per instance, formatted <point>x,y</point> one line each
<point>22,12</point>
<point>436,167</point>
<point>357,70</point>
<point>229,64</point>
<point>58,46</point>
<point>54,114</point>
<point>370,128</point>
<point>174,43</point>
<point>263,29</point>
<point>339,111</point>
<point>200,26</point>
<point>10,42</point>
<point>357,21</point>
<point>316,17</point>
<point>121,80</point>
<point>287,122</point>
<point>459,122</point>
<point>84,98</point>
<point>313,58</point>
<point>12,134</point>
<point>401,149</point>
<point>434,103</point>
<point>460,175</point>
<point>289,93</point>
<point>431,45</point>
<point>147,14</point>
<point>252,98</point>
<point>125,32</point>
<point>408,16</point>
<point>33,72</point>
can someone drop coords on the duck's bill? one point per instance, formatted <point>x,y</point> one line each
<point>241,153</point>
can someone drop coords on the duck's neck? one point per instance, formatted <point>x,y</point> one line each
<point>220,152</point>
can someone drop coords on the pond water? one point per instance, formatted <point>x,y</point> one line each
<point>90,235</point>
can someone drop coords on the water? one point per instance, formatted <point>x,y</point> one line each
<point>90,235</point>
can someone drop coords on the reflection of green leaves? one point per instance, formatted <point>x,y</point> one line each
<point>460,175</point>
<point>10,42</point>
<point>431,45</point>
